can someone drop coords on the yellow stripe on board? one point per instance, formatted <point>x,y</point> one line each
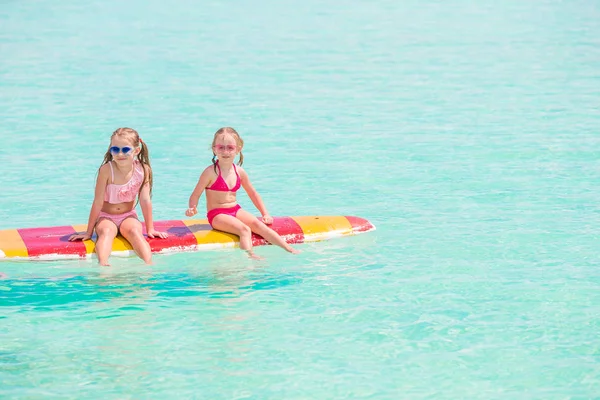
<point>324,225</point>
<point>120,244</point>
<point>206,235</point>
<point>12,244</point>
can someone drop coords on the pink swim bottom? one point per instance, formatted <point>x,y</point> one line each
<point>117,218</point>
<point>227,211</point>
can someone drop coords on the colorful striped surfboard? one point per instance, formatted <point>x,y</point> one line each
<point>51,243</point>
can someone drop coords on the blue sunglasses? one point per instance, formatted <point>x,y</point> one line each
<point>114,150</point>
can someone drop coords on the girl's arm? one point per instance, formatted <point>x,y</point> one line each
<point>203,182</point>
<point>97,204</point>
<point>254,197</point>
<point>146,205</point>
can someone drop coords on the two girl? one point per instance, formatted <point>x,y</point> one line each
<point>125,174</point>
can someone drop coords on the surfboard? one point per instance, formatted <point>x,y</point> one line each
<point>52,243</point>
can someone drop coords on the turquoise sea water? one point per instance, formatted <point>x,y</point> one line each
<point>467,132</point>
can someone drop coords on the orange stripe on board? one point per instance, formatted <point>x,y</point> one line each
<point>324,225</point>
<point>206,235</point>
<point>12,244</point>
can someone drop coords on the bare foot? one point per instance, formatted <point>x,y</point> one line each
<point>253,256</point>
<point>147,261</point>
<point>293,250</point>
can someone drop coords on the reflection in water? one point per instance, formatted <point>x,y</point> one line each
<point>123,320</point>
<point>219,275</point>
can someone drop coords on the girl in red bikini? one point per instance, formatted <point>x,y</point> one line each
<point>125,174</point>
<point>221,180</point>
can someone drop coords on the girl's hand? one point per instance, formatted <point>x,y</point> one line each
<point>152,233</point>
<point>267,219</point>
<point>79,236</point>
<point>190,212</point>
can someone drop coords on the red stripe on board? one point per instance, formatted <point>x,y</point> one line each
<point>51,240</point>
<point>179,235</point>
<point>359,224</point>
<point>287,228</point>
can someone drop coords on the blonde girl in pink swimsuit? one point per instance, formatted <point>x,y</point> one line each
<point>125,174</point>
<point>221,180</point>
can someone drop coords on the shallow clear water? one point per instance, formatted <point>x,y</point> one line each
<point>467,133</point>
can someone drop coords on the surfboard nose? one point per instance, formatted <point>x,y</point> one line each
<point>360,224</point>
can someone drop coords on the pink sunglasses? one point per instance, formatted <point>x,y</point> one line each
<point>221,147</point>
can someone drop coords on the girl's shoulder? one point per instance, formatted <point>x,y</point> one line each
<point>104,173</point>
<point>104,168</point>
<point>240,170</point>
<point>209,169</point>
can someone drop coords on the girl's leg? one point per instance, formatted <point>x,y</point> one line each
<point>106,231</point>
<point>131,229</point>
<point>229,224</point>
<point>260,228</point>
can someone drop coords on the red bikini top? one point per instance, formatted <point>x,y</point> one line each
<point>220,185</point>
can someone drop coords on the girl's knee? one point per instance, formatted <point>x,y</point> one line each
<point>245,230</point>
<point>256,225</point>
<point>133,235</point>
<point>131,230</point>
<point>105,231</point>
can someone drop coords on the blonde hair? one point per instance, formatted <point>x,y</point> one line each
<point>143,156</point>
<point>238,140</point>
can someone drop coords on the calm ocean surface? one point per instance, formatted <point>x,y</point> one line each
<point>467,132</point>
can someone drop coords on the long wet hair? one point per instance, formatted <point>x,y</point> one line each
<point>238,141</point>
<point>143,156</point>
